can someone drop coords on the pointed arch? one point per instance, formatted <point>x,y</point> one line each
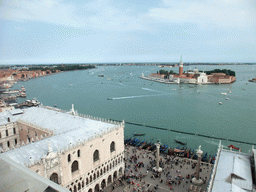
<point>112,147</point>
<point>74,166</point>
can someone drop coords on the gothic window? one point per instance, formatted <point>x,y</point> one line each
<point>78,153</point>
<point>16,141</point>
<point>104,169</point>
<point>94,176</point>
<point>79,186</point>
<point>101,172</point>
<point>74,166</point>
<point>98,174</point>
<point>82,184</point>
<point>8,144</point>
<point>90,179</point>
<point>112,146</point>
<point>54,178</point>
<point>69,158</point>
<point>6,133</point>
<point>87,181</point>
<point>96,155</point>
<point>14,131</point>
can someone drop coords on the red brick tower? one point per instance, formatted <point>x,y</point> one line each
<point>181,66</point>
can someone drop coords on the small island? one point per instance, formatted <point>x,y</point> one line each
<point>216,76</point>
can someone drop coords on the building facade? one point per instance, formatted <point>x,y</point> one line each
<point>80,153</point>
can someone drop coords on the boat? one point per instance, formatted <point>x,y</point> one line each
<point>23,89</point>
<point>223,93</point>
<point>55,105</point>
<point>109,98</point>
<point>227,98</point>
<point>229,91</point>
<point>182,143</point>
<point>22,94</point>
<point>100,75</point>
<point>220,103</point>
<point>233,147</point>
<point>139,134</point>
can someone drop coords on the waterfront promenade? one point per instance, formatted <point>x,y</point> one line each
<point>176,175</point>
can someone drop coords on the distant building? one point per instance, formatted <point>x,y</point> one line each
<point>81,153</point>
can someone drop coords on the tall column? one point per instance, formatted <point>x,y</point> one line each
<point>157,168</point>
<point>157,155</point>
<point>197,180</point>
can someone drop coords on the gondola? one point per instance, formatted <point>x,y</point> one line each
<point>182,143</point>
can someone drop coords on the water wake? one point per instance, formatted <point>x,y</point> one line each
<point>147,89</point>
<point>138,96</point>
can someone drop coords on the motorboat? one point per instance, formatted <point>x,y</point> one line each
<point>224,93</point>
<point>220,103</point>
<point>227,98</point>
<point>109,98</point>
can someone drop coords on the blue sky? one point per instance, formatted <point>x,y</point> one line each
<point>105,31</point>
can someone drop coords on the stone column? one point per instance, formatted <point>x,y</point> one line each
<point>157,168</point>
<point>196,179</point>
<point>157,155</point>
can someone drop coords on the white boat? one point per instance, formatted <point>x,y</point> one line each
<point>23,89</point>
<point>229,91</point>
<point>22,94</point>
<point>227,98</point>
<point>223,93</point>
<point>220,103</point>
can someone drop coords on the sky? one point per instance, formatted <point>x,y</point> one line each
<point>116,31</point>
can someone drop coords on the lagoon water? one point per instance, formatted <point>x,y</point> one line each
<point>189,108</point>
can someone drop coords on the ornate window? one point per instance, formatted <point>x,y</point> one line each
<point>8,144</point>
<point>6,133</point>
<point>96,155</point>
<point>14,131</point>
<point>112,147</point>
<point>79,186</point>
<point>69,158</point>
<point>74,166</point>
<point>78,153</point>
<point>16,141</point>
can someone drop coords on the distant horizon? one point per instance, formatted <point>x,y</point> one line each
<point>122,63</point>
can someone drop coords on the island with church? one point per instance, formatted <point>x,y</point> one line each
<point>216,76</point>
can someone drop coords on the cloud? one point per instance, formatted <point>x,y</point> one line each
<point>97,14</point>
<point>207,13</point>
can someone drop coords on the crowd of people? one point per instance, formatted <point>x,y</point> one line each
<point>176,172</point>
